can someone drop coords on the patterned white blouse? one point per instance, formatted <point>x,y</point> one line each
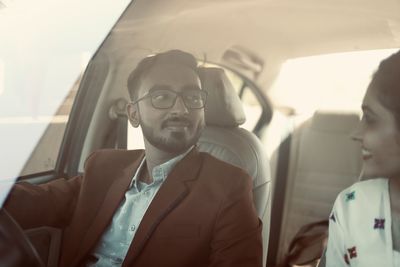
<point>360,231</point>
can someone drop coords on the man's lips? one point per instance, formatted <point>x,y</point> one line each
<point>176,123</point>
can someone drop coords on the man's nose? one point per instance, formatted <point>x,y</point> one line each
<point>179,107</point>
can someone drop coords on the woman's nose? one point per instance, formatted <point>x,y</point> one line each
<point>356,134</point>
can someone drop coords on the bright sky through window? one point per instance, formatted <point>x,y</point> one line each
<point>333,81</point>
<point>45,45</point>
<point>2,81</point>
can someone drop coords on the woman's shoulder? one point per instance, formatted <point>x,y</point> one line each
<point>371,185</point>
<point>363,192</point>
<point>368,186</point>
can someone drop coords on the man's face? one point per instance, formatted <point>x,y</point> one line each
<point>173,129</point>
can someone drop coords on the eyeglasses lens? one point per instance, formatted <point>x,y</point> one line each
<point>163,99</point>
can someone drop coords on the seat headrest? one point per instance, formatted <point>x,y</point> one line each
<point>223,107</point>
<point>334,121</point>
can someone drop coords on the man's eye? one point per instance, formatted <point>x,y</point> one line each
<point>160,97</point>
<point>194,98</point>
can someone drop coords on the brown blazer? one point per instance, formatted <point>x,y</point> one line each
<point>203,214</point>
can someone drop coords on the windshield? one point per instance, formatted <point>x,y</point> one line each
<point>42,55</point>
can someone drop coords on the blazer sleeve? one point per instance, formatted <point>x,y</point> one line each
<point>49,204</point>
<point>237,239</point>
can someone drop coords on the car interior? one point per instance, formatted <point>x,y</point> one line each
<point>270,111</point>
<point>224,139</point>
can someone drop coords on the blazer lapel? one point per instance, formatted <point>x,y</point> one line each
<point>171,193</point>
<point>107,209</point>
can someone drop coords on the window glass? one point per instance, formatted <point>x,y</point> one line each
<point>45,153</point>
<point>43,52</point>
<point>332,81</point>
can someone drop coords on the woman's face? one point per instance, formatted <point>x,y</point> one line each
<point>379,136</point>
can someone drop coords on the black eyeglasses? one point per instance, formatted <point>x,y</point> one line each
<point>166,98</point>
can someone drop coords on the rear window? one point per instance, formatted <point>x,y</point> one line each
<point>332,81</point>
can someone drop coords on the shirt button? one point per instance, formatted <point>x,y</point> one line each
<point>132,228</point>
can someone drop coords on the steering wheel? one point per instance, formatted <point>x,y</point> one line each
<point>15,248</point>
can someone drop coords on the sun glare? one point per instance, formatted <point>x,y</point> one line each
<point>334,81</point>
<point>44,47</point>
<point>2,78</point>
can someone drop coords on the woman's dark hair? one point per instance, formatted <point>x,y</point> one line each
<point>386,83</point>
<point>173,57</point>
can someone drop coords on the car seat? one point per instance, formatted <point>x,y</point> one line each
<point>322,161</point>
<point>224,139</point>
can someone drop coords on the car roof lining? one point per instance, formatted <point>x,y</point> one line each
<point>274,30</point>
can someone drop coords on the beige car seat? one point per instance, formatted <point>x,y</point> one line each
<point>224,139</point>
<point>322,161</point>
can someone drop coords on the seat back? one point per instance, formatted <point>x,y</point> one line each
<point>224,139</point>
<point>323,160</point>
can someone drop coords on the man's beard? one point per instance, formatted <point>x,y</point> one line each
<point>176,142</point>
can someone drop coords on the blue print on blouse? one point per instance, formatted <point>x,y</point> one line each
<point>351,196</point>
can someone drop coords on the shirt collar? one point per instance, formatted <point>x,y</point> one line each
<point>161,171</point>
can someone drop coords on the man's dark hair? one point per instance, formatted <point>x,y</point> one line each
<point>386,82</point>
<point>173,57</point>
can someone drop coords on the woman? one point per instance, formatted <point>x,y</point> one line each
<point>364,226</point>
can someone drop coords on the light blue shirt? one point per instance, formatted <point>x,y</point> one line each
<point>115,242</point>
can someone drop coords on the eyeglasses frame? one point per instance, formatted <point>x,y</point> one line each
<point>178,94</point>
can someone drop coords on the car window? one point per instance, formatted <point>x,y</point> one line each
<point>332,81</point>
<point>44,156</point>
<point>43,53</point>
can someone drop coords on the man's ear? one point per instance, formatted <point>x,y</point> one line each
<point>133,114</point>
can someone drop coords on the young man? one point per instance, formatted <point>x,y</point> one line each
<point>168,205</point>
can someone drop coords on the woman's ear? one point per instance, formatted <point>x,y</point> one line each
<point>133,114</point>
